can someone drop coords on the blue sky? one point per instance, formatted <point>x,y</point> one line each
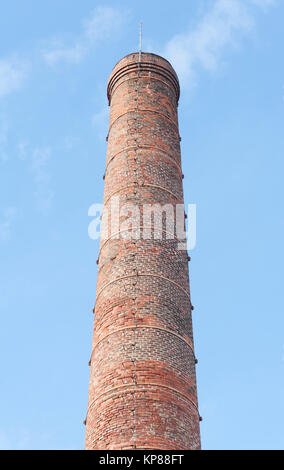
<point>55,58</point>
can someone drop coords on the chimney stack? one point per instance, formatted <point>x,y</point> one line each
<point>142,392</point>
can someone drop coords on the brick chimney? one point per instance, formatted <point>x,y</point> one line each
<point>142,392</point>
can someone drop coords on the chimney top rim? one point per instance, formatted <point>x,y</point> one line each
<point>150,60</point>
<point>144,54</point>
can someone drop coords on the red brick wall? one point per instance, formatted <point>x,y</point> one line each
<point>142,391</point>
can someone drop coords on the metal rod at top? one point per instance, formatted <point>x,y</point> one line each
<point>140,40</point>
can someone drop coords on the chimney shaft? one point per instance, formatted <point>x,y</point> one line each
<point>142,391</point>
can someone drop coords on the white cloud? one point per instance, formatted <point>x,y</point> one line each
<point>22,149</point>
<point>58,53</point>
<point>70,141</point>
<point>12,75</point>
<point>102,24</point>
<point>37,160</point>
<point>7,220</point>
<point>263,3</point>
<point>39,167</point>
<point>220,28</point>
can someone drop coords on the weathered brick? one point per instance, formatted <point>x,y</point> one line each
<point>142,392</point>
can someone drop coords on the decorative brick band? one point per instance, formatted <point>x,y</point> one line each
<point>186,340</point>
<point>131,79</point>
<point>141,227</point>
<point>109,308</point>
<point>143,185</point>
<point>148,147</point>
<point>142,384</point>
<point>142,275</point>
<point>143,111</point>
